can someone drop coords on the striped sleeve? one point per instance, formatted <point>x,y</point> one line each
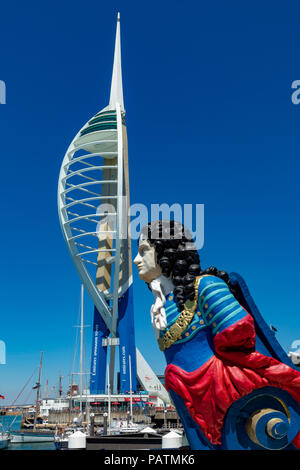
<point>218,306</point>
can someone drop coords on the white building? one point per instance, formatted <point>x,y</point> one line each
<point>55,404</point>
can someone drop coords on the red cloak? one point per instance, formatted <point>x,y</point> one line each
<point>235,370</point>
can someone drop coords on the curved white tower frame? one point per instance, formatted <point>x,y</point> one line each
<point>93,206</point>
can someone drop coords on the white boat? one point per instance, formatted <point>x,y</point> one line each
<point>4,438</point>
<point>122,427</point>
<point>31,435</point>
<point>148,430</point>
<point>61,441</point>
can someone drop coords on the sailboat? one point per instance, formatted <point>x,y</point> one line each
<point>33,435</point>
<point>61,440</point>
<point>124,426</point>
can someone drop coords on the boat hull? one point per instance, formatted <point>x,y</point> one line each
<point>3,443</point>
<point>61,444</point>
<point>18,437</point>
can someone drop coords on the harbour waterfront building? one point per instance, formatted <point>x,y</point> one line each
<point>53,404</point>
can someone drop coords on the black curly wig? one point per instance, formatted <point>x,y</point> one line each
<point>178,258</point>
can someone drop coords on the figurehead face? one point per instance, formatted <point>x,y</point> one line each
<point>146,261</point>
<point>166,247</point>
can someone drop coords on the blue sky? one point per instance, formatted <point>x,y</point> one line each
<point>207,89</point>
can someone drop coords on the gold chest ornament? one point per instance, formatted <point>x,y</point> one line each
<point>182,322</point>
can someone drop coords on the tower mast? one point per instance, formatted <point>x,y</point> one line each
<point>116,89</point>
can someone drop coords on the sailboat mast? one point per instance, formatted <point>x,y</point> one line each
<point>46,390</point>
<point>81,348</point>
<point>60,386</point>
<point>109,400</point>
<point>130,381</point>
<point>37,407</point>
<point>70,399</point>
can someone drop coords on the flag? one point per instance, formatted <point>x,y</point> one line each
<point>2,397</point>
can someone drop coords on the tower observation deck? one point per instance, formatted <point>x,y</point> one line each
<point>93,206</point>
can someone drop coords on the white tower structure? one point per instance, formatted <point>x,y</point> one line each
<point>93,206</point>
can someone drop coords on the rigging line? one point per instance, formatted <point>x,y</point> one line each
<point>27,398</point>
<point>24,386</point>
<point>11,424</point>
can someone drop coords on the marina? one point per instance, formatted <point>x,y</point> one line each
<point>119,436</point>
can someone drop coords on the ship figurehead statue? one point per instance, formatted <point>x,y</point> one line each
<point>233,385</point>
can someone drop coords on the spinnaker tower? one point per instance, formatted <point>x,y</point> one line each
<point>93,205</point>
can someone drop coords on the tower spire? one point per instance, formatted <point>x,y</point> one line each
<point>116,90</point>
